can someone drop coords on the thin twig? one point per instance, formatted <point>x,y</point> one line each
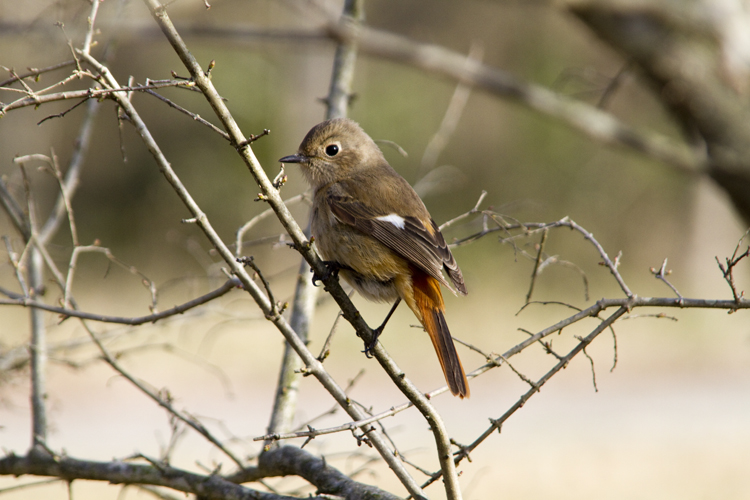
<point>16,263</point>
<point>34,72</point>
<point>20,300</point>
<point>587,119</point>
<point>326,349</point>
<point>192,115</point>
<point>662,273</point>
<point>301,242</point>
<point>38,348</point>
<point>464,215</point>
<point>95,248</point>
<point>88,39</point>
<point>240,234</point>
<point>496,424</point>
<point>451,117</point>
<point>276,308</point>
<point>537,263</point>
<point>593,368</point>
<point>37,98</point>
<point>520,375</point>
<point>163,399</point>
<point>64,194</point>
<point>72,175</point>
<point>14,211</point>
<point>731,262</point>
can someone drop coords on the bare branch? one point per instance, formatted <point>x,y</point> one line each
<point>192,115</point>
<point>662,273</point>
<point>450,119</point>
<point>731,262</point>
<point>305,293</point>
<point>340,91</point>
<point>14,211</point>
<point>38,98</point>
<point>38,350</point>
<point>95,248</point>
<point>69,184</point>
<point>240,235</point>
<point>34,72</point>
<point>587,119</point>
<point>163,399</point>
<point>326,349</point>
<point>593,369</point>
<point>273,198</point>
<point>211,487</point>
<point>276,307</point>
<point>463,216</point>
<point>19,300</point>
<point>536,386</point>
<point>328,480</point>
<point>87,41</point>
<point>16,263</point>
<point>537,263</point>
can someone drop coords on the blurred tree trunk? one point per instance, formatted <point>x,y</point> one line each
<point>695,55</point>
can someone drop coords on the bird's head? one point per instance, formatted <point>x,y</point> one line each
<point>334,150</point>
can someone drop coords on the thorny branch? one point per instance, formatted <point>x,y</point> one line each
<point>21,300</point>
<point>592,121</point>
<point>662,273</point>
<point>115,92</point>
<point>38,98</point>
<point>210,487</point>
<point>163,399</point>
<point>628,304</point>
<point>305,293</point>
<point>302,244</point>
<point>727,269</point>
<point>121,95</point>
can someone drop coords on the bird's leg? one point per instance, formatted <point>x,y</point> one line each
<point>333,269</point>
<point>376,332</point>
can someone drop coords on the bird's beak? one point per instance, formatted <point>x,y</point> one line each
<point>298,158</point>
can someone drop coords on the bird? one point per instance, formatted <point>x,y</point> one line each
<point>371,227</point>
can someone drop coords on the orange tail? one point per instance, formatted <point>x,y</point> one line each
<point>429,302</point>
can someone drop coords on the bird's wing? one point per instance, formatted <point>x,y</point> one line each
<point>418,241</point>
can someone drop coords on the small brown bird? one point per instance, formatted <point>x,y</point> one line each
<point>371,226</point>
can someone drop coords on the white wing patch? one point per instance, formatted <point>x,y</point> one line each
<point>394,219</point>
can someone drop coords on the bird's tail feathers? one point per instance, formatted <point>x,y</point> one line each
<point>429,301</point>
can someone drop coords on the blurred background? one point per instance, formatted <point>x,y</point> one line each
<point>670,421</point>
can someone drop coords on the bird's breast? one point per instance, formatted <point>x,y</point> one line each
<point>372,266</point>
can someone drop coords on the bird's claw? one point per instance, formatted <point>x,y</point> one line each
<point>371,345</point>
<point>332,269</point>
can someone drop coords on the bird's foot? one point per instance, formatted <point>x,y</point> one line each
<point>377,331</point>
<point>369,346</point>
<point>332,269</point>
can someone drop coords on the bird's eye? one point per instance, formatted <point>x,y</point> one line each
<point>332,149</point>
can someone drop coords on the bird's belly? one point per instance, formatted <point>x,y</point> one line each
<point>371,288</point>
<point>368,266</point>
